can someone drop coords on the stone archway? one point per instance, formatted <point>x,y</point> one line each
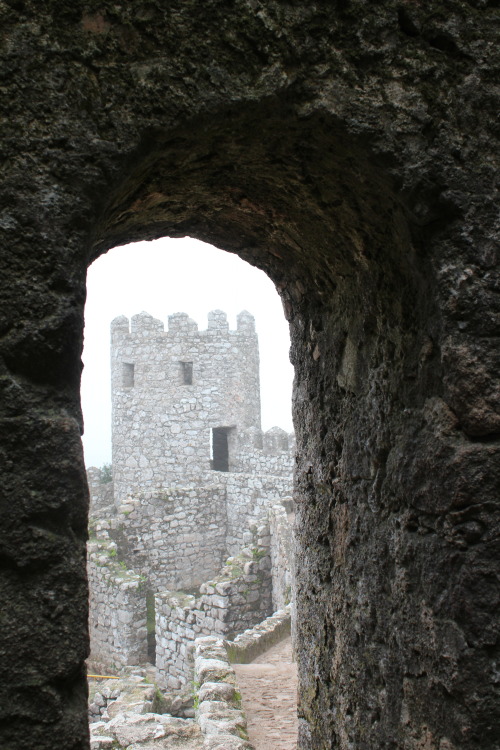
<point>339,148</point>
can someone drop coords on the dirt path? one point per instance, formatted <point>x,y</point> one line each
<point>269,694</point>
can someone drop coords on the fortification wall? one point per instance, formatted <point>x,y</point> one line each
<point>271,452</point>
<point>249,497</point>
<point>171,541</point>
<point>171,389</point>
<point>255,641</point>
<point>117,620</point>
<point>175,538</point>
<point>101,494</point>
<point>237,599</point>
<point>178,509</point>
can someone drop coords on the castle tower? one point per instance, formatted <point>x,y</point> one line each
<point>180,398</point>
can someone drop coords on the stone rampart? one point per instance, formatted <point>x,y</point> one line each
<point>271,452</point>
<point>219,711</point>
<point>249,497</point>
<point>237,599</point>
<point>175,537</point>
<point>193,478</point>
<point>117,623</point>
<point>180,538</point>
<point>101,493</point>
<point>255,641</point>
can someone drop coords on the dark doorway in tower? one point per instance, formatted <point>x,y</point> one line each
<point>220,449</point>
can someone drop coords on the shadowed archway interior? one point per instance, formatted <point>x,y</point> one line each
<point>323,219</point>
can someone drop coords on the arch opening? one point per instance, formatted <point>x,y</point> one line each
<point>320,215</point>
<point>174,529</point>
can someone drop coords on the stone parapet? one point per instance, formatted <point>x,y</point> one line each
<point>176,537</point>
<point>218,700</point>
<point>234,601</point>
<point>253,642</point>
<point>118,634</point>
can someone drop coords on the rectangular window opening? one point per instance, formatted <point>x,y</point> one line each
<point>220,449</point>
<point>187,373</point>
<point>128,375</point>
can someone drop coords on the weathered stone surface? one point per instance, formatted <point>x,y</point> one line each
<point>226,742</point>
<point>217,691</point>
<point>219,713</point>
<point>117,608</point>
<point>349,149</point>
<point>180,618</point>
<point>132,728</point>
<point>255,641</point>
<point>102,743</point>
<point>210,670</point>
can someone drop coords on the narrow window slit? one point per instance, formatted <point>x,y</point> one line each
<point>128,375</point>
<point>187,373</point>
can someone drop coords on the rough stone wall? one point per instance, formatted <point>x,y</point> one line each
<point>271,452</point>
<point>237,599</point>
<point>101,495</point>
<point>177,540</point>
<point>281,519</point>
<point>249,497</point>
<point>163,413</point>
<point>219,712</point>
<point>253,642</point>
<point>118,634</point>
<point>349,150</point>
<point>175,537</point>
<point>177,514</point>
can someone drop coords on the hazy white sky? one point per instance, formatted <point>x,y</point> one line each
<point>170,276</point>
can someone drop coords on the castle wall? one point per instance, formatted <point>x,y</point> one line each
<point>271,452</point>
<point>194,478</point>
<point>237,599</point>
<point>117,620</point>
<point>175,537</point>
<point>170,389</point>
<point>250,586</point>
<point>249,497</point>
<point>101,495</point>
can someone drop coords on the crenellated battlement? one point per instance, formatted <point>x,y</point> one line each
<point>180,323</point>
<point>145,323</point>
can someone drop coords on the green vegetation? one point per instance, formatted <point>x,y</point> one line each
<point>159,705</point>
<point>195,686</point>
<point>105,474</point>
<point>258,554</point>
<point>242,733</point>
